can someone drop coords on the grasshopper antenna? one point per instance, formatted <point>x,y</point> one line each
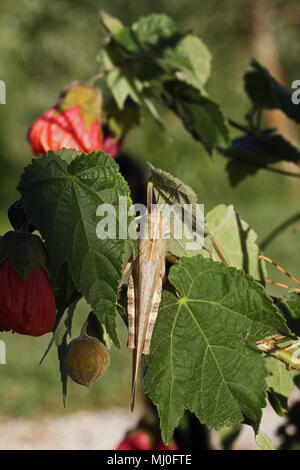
<point>172,194</point>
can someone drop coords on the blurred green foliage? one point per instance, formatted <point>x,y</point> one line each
<point>45,45</point>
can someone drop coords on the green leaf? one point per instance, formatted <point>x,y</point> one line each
<point>121,82</point>
<point>61,336</point>
<point>290,307</point>
<point>200,115</point>
<point>61,351</point>
<point>248,154</point>
<point>170,188</point>
<point>192,60</point>
<point>96,329</point>
<point>266,92</point>
<point>112,24</point>
<point>281,384</point>
<point>62,328</point>
<point>280,380</point>
<point>203,346</point>
<point>155,28</point>
<point>235,239</point>
<point>64,290</point>
<point>264,442</point>
<point>138,59</point>
<point>62,199</point>
<point>278,402</point>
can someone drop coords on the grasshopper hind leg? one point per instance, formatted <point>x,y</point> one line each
<point>131,314</point>
<point>153,317</point>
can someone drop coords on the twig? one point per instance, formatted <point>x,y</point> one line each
<point>269,238</point>
<point>279,268</point>
<point>279,284</point>
<point>103,74</point>
<point>218,251</point>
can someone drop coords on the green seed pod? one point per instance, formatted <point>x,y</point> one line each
<point>86,360</point>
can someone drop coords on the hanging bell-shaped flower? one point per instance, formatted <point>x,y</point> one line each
<point>27,304</point>
<point>73,123</point>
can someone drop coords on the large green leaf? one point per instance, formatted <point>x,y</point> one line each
<point>200,115</point>
<point>266,92</point>
<point>61,199</point>
<point>235,239</point>
<point>203,355</point>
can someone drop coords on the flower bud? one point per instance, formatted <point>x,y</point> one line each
<point>72,123</point>
<point>86,360</point>
<point>27,304</point>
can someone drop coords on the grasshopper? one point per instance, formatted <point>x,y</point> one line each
<point>145,287</point>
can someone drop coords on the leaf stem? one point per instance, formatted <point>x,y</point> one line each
<point>218,251</point>
<point>269,238</point>
<point>279,284</point>
<point>279,268</point>
<point>102,74</point>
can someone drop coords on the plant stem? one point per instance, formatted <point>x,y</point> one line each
<point>279,268</point>
<point>102,74</point>
<point>279,284</point>
<point>269,238</point>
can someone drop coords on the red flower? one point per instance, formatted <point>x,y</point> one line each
<point>136,440</point>
<point>27,304</point>
<point>73,123</point>
<point>141,439</point>
<point>125,445</point>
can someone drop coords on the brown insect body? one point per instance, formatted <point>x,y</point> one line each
<point>145,287</point>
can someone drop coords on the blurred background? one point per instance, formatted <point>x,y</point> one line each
<point>45,45</point>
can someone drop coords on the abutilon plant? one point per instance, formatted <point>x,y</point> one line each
<point>219,336</point>
<point>27,304</point>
